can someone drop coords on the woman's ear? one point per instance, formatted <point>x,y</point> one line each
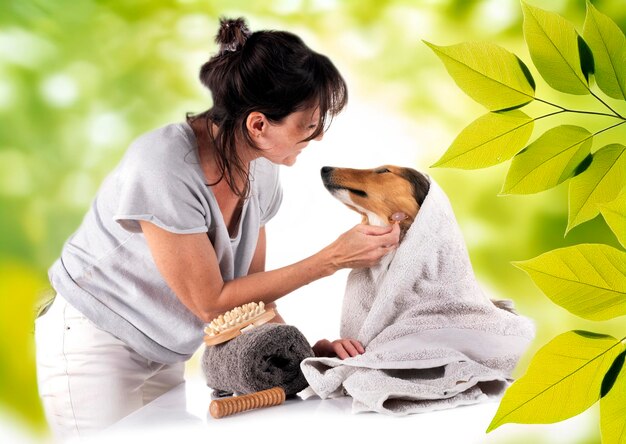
<point>256,124</point>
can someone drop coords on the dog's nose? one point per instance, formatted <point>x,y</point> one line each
<point>326,170</point>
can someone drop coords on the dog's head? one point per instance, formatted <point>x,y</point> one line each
<point>379,193</point>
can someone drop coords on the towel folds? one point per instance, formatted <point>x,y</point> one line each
<point>264,357</point>
<point>432,338</point>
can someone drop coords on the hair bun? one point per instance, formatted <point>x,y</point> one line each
<point>232,34</point>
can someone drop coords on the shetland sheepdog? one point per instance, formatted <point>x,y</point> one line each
<point>381,195</point>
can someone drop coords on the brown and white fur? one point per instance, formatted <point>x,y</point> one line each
<point>379,194</point>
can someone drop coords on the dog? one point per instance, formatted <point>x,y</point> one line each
<point>381,195</point>
<point>418,318</point>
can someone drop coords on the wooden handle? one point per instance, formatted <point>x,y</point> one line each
<point>237,329</point>
<point>229,406</point>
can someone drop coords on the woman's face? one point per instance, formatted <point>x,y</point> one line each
<point>282,142</point>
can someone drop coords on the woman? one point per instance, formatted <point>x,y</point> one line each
<point>176,234</point>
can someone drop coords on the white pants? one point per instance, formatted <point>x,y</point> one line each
<point>88,379</point>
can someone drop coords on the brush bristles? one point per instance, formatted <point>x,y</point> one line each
<point>234,317</point>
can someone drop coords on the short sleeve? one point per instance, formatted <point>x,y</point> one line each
<point>157,189</point>
<point>270,191</point>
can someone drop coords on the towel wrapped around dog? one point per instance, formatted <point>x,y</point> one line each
<point>432,339</point>
<point>264,357</point>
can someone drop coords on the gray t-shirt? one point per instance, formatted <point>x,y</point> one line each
<point>106,270</point>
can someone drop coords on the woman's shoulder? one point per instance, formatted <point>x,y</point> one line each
<point>168,145</point>
<point>264,172</point>
<point>266,185</point>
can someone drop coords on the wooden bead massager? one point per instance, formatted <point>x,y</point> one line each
<point>226,327</point>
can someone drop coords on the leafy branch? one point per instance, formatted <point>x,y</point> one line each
<point>615,114</point>
<point>605,104</point>
<point>575,369</point>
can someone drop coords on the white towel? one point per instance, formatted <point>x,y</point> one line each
<point>432,339</point>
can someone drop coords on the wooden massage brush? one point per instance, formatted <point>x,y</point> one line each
<point>226,327</point>
<point>236,321</point>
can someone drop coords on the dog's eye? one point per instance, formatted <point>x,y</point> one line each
<point>382,170</point>
<point>358,192</point>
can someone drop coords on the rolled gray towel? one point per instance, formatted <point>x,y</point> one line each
<point>267,356</point>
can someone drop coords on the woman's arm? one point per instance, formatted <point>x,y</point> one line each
<point>189,265</point>
<point>257,265</point>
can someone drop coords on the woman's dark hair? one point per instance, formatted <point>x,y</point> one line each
<point>271,72</point>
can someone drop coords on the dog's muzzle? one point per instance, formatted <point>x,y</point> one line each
<point>333,187</point>
<point>327,173</point>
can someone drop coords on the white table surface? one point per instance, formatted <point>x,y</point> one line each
<point>181,415</point>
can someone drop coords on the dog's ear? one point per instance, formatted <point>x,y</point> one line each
<point>419,182</point>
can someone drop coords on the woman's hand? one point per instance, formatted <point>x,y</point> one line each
<point>342,348</point>
<point>364,245</point>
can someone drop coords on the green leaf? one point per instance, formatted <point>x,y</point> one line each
<point>488,73</point>
<point>18,390</point>
<point>586,58</point>
<point>614,214</point>
<point>589,280</point>
<point>548,161</point>
<point>489,140</point>
<point>600,183</point>
<point>563,380</point>
<point>553,44</point>
<point>608,44</point>
<point>613,411</point>
<point>611,375</point>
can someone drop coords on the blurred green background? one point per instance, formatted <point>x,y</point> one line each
<point>80,79</point>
